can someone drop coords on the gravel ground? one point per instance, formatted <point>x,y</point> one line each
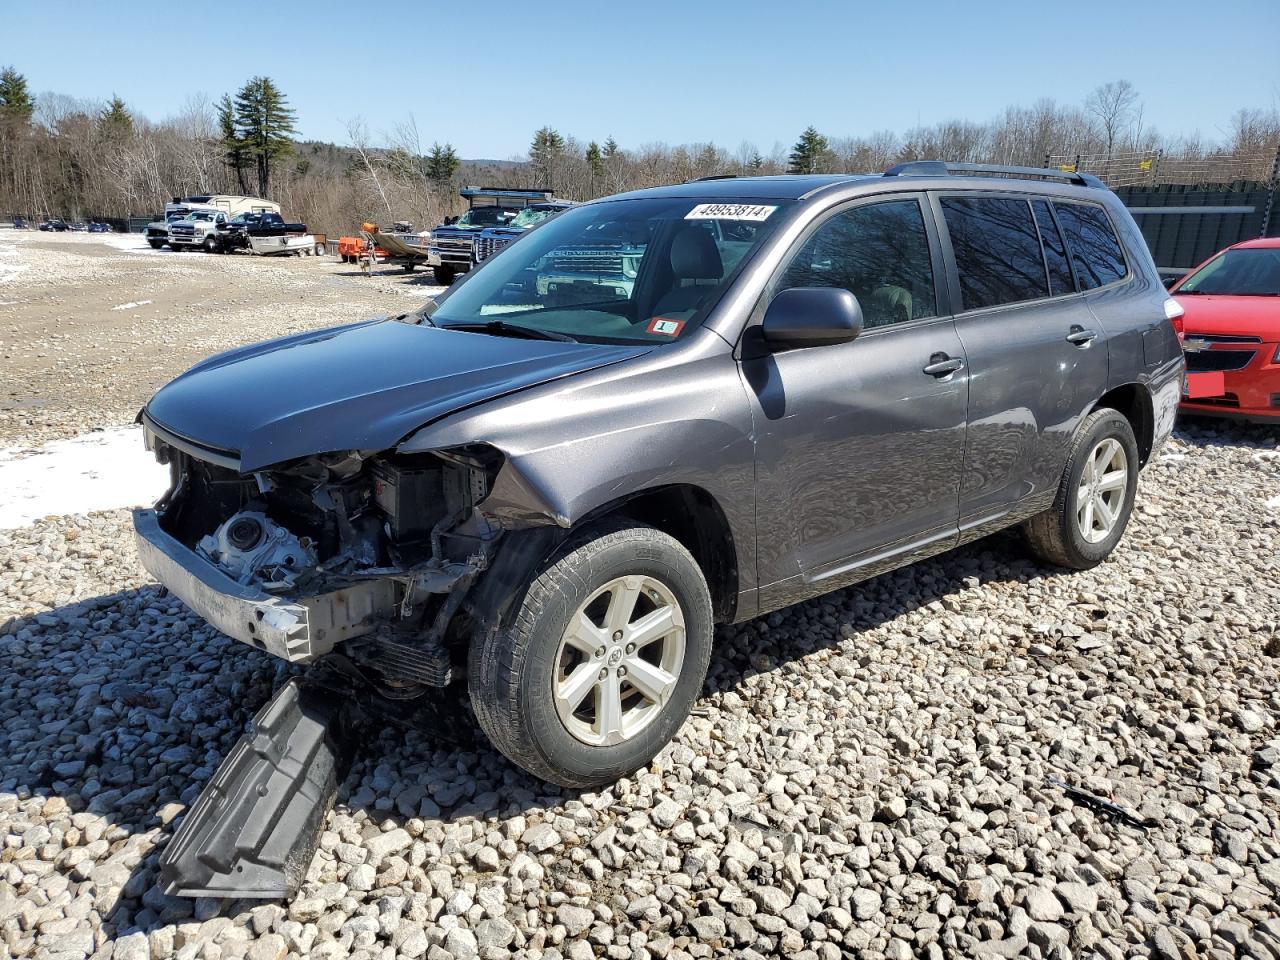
<point>882,772</point>
<point>91,324</point>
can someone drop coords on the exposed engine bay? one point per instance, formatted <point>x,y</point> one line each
<point>379,551</point>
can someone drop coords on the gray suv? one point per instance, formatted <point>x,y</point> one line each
<point>810,380</point>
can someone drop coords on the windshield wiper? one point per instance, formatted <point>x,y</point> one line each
<point>501,328</point>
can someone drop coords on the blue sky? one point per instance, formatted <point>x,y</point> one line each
<point>484,76</point>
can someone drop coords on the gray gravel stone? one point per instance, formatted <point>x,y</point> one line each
<point>866,904</point>
<point>575,919</point>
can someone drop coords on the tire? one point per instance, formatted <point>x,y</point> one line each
<point>408,267</point>
<point>155,244</point>
<point>209,245</point>
<point>444,275</point>
<point>1058,535</point>
<point>514,668</point>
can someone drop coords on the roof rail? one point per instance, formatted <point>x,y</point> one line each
<point>939,168</point>
<point>714,176</point>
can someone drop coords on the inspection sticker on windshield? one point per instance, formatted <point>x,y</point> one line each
<point>729,211</point>
<point>666,326</point>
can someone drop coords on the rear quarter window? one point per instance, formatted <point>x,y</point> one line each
<point>1091,239</point>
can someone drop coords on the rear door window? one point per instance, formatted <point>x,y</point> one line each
<point>997,250</point>
<point>1055,254</point>
<point>1095,249</point>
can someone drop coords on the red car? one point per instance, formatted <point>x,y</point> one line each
<point>1230,332</point>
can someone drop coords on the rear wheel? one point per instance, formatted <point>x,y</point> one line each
<point>601,663</point>
<point>444,275</point>
<point>1095,496</point>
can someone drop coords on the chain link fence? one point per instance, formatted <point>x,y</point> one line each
<point>1151,167</point>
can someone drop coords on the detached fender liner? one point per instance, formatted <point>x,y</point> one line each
<point>253,830</point>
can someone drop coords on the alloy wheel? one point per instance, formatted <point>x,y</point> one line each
<point>619,660</point>
<point>1104,483</point>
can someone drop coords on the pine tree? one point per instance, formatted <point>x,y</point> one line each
<point>442,164</point>
<point>265,126</point>
<point>611,148</point>
<point>115,121</point>
<point>16,103</point>
<point>233,153</point>
<point>545,153</point>
<point>810,154</point>
<point>595,164</point>
<point>756,163</point>
<point>595,159</point>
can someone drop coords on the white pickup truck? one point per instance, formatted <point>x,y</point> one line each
<point>199,228</point>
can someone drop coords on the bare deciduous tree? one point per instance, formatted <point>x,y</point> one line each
<point>1114,105</point>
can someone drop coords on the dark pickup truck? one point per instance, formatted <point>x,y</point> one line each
<point>235,233</point>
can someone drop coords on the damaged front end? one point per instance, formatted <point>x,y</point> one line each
<point>359,562</point>
<point>326,550</point>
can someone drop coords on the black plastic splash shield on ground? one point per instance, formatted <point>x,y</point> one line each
<point>253,830</point>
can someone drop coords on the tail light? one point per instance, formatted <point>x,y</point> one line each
<point>1173,310</point>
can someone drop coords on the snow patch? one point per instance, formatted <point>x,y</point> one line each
<point>131,243</point>
<point>105,470</point>
<point>1273,503</point>
<point>131,304</point>
<point>11,262</point>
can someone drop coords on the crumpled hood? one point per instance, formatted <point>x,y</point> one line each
<point>364,386</point>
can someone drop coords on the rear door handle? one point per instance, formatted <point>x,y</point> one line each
<point>940,365</point>
<point>1080,336</point>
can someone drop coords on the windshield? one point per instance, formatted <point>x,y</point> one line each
<point>484,217</point>
<point>200,215</point>
<point>1249,272</point>
<point>531,215</point>
<point>621,271</point>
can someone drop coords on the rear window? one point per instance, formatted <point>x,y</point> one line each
<point>997,250</point>
<point>1095,248</point>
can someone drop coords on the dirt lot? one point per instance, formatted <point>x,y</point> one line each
<point>917,767</point>
<point>92,324</point>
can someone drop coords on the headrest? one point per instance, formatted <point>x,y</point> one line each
<point>694,255</point>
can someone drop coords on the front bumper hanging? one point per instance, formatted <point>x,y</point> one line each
<point>300,630</point>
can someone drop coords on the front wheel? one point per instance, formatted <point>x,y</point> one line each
<point>600,665</point>
<point>155,244</point>
<point>444,275</point>
<point>1095,496</point>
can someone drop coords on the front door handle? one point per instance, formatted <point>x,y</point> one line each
<point>940,365</point>
<point>1080,336</point>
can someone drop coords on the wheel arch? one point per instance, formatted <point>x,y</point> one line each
<point>692,516</point>
<point>1133,401</point>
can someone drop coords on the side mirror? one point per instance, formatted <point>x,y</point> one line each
<point>1169,281</point>
<point>811,317</point>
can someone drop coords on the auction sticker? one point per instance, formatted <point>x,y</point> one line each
<point>666,326</point>
<point>729,211</point>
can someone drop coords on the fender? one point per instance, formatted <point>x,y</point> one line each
<point>573,446</point>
